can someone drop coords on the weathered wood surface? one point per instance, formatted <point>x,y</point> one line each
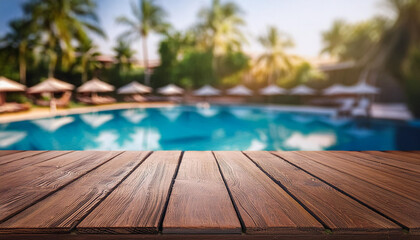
<point>18,156</point>
<point>392,160</point>
<point>398,184</point>
<point>404,211</point>
<point>25,187</point>
<point>199,202</point>
<point>406,175</point>
<point>408,157</point>
<point>336,210</point>
<point>78,198</point>
<point>13,166</point>
<point>229,195</point>
<point>141,210</point>
<point>263,205</point>
<point>7,152</point>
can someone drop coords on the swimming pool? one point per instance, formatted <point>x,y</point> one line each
<point>214,128</point>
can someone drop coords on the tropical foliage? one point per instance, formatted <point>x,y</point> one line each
<point>347,41</point>
<point>148,17</point>
<point>53,38</point>
<point>275,63</point>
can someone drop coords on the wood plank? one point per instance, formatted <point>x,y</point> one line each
<point>17,156</point>
<point>401,209</point>
<point>7,152</point>
<point>62,210</point>
<point>408,157</point>
<point>11,167</point>
<point>338,211</point>
<point>387,160</point>
<point>28,185</point>
<point>263,206</point>
<point>137,205</point>
<point>199,202</point>
<point>396,184</point>
<point>74,236</point>
<point>400,174</point>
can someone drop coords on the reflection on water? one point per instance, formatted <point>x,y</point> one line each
<point>52,124</point>
<point>134,115</point>
<point>208,112</point>
<point>96,119</point>
<point>171,113</point>
<point>311,142</point>
<point>8,138</point>
<point>214,128</point>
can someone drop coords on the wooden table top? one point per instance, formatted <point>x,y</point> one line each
<point>209,195</point>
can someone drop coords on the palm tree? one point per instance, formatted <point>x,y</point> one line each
<point>22,38</point>
<point>61,22</point>
<point>148,17</point>
<point>220,28</point>
<point>402,38</point>
<point>123,53</point>
<point>335,38</point>
<point>275,62</point>
<point>88,52</point>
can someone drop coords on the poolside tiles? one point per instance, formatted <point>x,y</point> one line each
<point>209,195</point>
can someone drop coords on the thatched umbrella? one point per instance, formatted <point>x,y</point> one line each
<point>337,89</point>
<point>94,86</point>
<point>51,85</point>
<point>7,85</point>
<point>361,88</point>
<point>134,88</point>
<point>239,90</point>
<point>272,89</point>
<point>207,91</point>
<point>170,89</point>
<point>302,90</point>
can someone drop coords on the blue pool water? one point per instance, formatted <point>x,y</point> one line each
<point>215,128</point>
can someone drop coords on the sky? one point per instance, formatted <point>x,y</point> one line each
<point>303,20</point>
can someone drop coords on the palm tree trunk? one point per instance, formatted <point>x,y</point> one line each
<point>146,62</point>
<point>52,63</point>
<point>22,63</point>
<point>84,69</point>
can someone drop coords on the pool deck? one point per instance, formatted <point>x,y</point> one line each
<point>44,112</point>
<point>209,195</point>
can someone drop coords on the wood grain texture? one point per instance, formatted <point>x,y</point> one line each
<point>137,204</point>
<point>10,167</point>
<point>24,187</point>
<point>403,210</point>
<point>363,236</point>
<point>397,184</point>
<point>338,211</point>
<point>75,200</point>
<point>7,152</point>
<point>393,161</point>
<point>399,173</point>
<point>408,157</point>
<point>263,205</point>
<point>200,202</point>
<point>18,156</point>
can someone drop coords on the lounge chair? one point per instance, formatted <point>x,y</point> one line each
<point>103,100</point>
<point>346,106</point>
<point>84,99</point>
<point>14,107</point>
<point>61,102</point>
<point>135,98</point>
<point>362,109</point>
<point>64,100</point>
<point>96,100</point>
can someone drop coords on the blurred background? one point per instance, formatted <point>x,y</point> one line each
<point>192,43</point>
<point>355,61</point>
